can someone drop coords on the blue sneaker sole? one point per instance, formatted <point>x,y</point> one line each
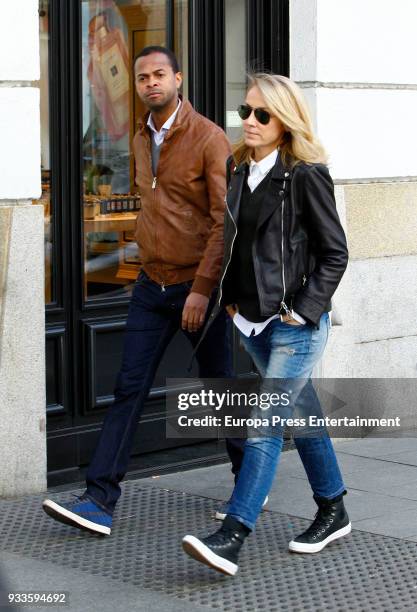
<point>61,514</point>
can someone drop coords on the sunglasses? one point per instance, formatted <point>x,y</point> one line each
<point>261,115</point>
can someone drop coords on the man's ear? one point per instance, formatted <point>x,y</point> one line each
<point>178,79</point>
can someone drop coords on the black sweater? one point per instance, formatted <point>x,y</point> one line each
<point>240,281</point>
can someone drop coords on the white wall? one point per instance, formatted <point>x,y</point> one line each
<point>369,133</point>
<point>356,60</point>
<point>19,103</point>
<point>357,63</point>
<point>19,40</point>
<point>367,41</point>
<point>20,159</point>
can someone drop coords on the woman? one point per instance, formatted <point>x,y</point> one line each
<point>285,253</point>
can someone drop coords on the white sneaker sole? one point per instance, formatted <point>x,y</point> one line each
<point>220,516</point>
<point>200,552</point>
<point>67,517</point>
<point>302,547</point>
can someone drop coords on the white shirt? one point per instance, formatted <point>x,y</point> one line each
<point>159,136</point>
<point>257,172</point>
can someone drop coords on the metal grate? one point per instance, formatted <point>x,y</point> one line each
<point>361,572</point>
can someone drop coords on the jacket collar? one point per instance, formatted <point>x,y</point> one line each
<point>278,189</point>
<point>234,192</point>
<point>279,171</point>
<point>184,115</point>
<point>279,186</point>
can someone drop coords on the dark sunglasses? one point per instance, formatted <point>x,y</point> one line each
<point>261,115</point>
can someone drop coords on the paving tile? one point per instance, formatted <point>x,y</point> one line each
<point>142,563</point>
<point>406,457</point>
<point>363,505</point>
<point>399,524</point>
<point>379,481</point>
<point>411,538</point>
<point>406,490</point>
<point>102,594</point>
<point>375,447</point>
<point>294,496</point>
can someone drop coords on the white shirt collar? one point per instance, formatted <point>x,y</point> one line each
<point>264,165</point>
<point>168,123</point>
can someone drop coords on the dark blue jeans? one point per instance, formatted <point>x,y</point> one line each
<point>153,319</point>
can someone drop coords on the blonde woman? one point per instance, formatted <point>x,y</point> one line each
<point>285,254</point>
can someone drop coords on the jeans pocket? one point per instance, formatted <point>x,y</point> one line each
<point>291,326</point>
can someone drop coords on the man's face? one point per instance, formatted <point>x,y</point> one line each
<point>156,83</point>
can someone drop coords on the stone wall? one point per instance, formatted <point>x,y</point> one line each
<point>22,306</point>
<point>356,63</point>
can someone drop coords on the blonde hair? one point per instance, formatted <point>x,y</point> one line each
<point>285,100</point>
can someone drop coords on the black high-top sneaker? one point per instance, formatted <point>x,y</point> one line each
<point>219,550</point>
<point>330,523</point>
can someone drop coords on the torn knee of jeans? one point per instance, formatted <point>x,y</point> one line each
<point>286,350</point>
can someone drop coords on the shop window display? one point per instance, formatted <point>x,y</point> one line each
<point>113,32</point>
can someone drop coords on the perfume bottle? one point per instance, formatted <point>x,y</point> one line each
<point>108,72</point>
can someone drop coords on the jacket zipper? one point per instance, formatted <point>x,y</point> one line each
<point>156,241</point>
<point>231,250</point>
<point>153,187</point>
<point>283,304</point>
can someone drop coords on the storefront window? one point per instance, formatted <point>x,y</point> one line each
<point>45,147</point>
<point>181,40</point>
<point>236,19</point>
<point>113,32</point>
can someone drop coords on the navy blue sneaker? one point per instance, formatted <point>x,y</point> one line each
<point>81,513</point>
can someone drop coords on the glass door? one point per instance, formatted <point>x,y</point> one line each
<point>113,33</point>
<point>87,79</point>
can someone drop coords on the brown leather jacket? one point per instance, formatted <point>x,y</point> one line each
<point>179,229</point>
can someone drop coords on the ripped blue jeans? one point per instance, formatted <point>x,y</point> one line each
<point>284,351</point>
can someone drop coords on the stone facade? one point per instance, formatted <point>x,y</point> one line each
<point>22,304</point>
<point>362,98</point>
<point>356,63</point>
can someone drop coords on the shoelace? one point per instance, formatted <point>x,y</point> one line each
<point>320,523</point>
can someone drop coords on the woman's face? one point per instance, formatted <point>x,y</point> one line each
<point>262,138</point>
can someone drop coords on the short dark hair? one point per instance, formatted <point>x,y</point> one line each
<point>156,49</point>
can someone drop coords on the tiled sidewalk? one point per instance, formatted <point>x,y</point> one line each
<point>142,567</point>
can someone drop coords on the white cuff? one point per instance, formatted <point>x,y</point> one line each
<point>298,317</point>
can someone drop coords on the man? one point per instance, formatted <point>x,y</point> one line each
<point>180,173</point>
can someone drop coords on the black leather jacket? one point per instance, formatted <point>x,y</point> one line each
<point>300,251</point>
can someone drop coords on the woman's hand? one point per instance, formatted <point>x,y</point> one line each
<point>288,319</point>
<point>232,309</point>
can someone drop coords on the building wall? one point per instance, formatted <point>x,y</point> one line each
<point>22,331</point>
<point>356,63</point>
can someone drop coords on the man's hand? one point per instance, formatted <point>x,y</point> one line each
<point>194,312</point>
